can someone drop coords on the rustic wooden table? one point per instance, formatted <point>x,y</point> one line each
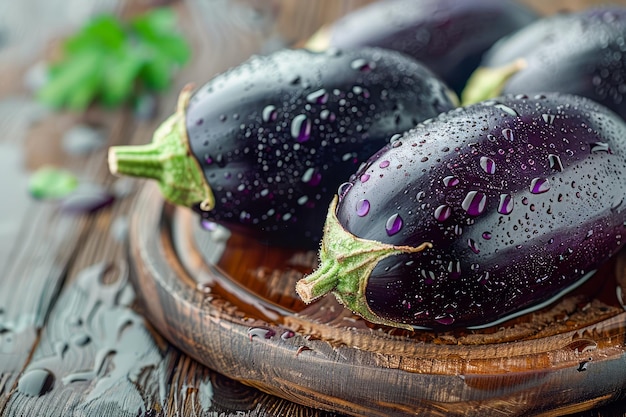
<point>73,340</point>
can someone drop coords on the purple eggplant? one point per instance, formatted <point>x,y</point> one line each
<point>482,214</point>
<point>581,53</point>
<point>448,36</point>
<point>262,147</point>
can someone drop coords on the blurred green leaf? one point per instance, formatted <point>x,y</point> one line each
<point>119,80</point>
<point>155,74</point>
<point>155,22</point>
<point>103,32</point>
<point>70,77</point>
<point>114,62</point>
<point>51,183</point>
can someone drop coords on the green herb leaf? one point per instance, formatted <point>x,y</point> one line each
<point>120,76</point>
<point>103,32</point>
<point>74,77</point>
<point>114,62</point>
<point>51,183</point>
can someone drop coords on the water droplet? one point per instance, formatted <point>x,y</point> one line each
<point>383,164</point>
<point>450,181</point>
<point>87,198</point>
<point>508,110</point>
<point>393,224</point>
<point>429,276</point>
<point>446,320</point>
<point>363,65</point>
<point>508,134</point>
<point>474,203</point>
<point>245,217</point>
<point>301,128</point>
<point>327,115</point>
<point>488,165</point>
<point>287,334</point>
<point>486,235</point>
<point>365,177</point>
<point>443,212</point>
<point>349,156</point>
<point>600,147</point>
<point>539,185</point>
<point>318,97</point>
<point>358,90</point>
<point>471,243</point>
<point>295,80</point>
<point>311,177</point>
<point>555,162</point>
<point>81,339</point>
<point>362,207</point>
<point>505,206</point>
<point>454,269</point>
<point>36,382</point>
<point>261,332</point>
<point>420,196</point>
<point>270,113</point>
<point>548,118</point>
<point>83,139</point>
<point>484,278</point>
<point>343,189</point>
<point>208,225</point>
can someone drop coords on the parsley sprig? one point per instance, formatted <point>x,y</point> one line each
<point>113,61</point>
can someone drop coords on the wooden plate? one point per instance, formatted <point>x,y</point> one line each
<point>230,303</point>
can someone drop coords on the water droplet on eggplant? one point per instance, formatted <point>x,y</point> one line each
<point>474,203</point>
<point>394,224</point>
<point>539,185</point>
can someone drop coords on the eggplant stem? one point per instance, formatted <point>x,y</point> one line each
<point>489,82</point>
<point>168,160</point>
<point>345,264</point>
<point>322,281</point>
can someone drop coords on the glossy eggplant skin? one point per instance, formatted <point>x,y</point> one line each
<point>520,199</point>
<point>276,135</point>
<point>582,53</point>
<point>448,36</point>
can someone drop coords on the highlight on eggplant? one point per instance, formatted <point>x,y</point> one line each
<point>262,147</point>
<point>485,213</point>
<point>581,53</point>
<point>447,36</point>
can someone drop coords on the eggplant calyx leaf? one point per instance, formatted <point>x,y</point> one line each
<point>168,160</point>
<point>345,264</point>
<point>489,82</point>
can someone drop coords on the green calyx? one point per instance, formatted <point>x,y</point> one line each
<point>488,82</point>
<point>168,160</point>
<point>345,265</point>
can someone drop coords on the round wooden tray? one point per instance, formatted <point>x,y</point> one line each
<point>230,303</point>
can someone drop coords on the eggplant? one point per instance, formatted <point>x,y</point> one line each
<point>447,36</point>
<point>485,213</point>
<point>581,53</point>
<point>262,147</point>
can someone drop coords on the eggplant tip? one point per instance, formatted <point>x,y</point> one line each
<point>113,162</point>
<point>305,291</point>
